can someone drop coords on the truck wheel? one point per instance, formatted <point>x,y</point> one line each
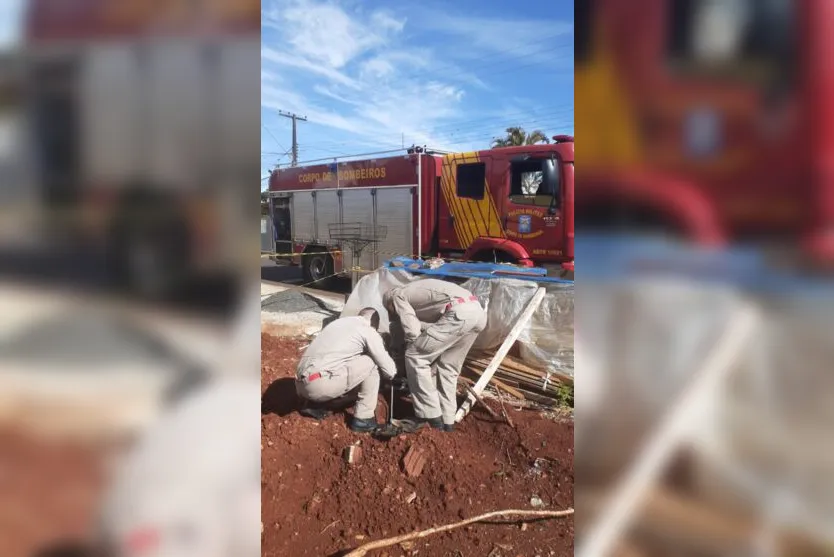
<point>494,256</point>
<point>318,269</point>
<point>150,261</point>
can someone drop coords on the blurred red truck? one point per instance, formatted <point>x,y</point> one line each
<point>708,120</point>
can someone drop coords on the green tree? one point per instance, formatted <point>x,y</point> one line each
<point>517,136</point>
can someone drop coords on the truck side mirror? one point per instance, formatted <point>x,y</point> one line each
<point>550,178</point>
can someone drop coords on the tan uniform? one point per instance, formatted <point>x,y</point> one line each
<point>440,321</point>
<point>347,355</point>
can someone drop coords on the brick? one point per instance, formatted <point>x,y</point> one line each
<point>414,461</point>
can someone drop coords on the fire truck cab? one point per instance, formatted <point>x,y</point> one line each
<point>511,205</point>
<point>708,120</point>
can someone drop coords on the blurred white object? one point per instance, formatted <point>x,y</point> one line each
<point>683,417</point>
<point>191,486</point>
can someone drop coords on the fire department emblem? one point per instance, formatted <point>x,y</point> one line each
<point>525,223</point>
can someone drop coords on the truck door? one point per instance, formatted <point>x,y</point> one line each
<point>282,221</point>
<point>54,102</point>
<point>467,209</point>
<point>533,206</point>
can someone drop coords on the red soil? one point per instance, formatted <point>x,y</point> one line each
<point>315,504</point>
<point>50,492</point>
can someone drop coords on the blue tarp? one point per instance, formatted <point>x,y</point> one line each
<point>613,260</point>
<point>475,270</point>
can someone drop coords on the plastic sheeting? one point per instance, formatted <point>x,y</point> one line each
<point>764,437</point>
<point>546,342</point>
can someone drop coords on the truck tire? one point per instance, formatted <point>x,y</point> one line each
<point>149,261</point>
<point>318,268</point>
<point>494,256</point>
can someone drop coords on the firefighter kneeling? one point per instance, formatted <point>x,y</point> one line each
<point>346,358</point>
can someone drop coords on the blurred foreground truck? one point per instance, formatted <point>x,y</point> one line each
<point>142,121</point>
<point>510,205</point>
<point>708,120</point>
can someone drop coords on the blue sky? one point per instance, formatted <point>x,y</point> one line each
<point>10,14</point>
<point>450,75</point>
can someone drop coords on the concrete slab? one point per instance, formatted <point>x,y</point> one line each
<point>89,366</point>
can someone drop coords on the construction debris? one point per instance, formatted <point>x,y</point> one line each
<point>483,404</point>
<point>519,379</point>
<point>352,454</point>
<point>414,461</point>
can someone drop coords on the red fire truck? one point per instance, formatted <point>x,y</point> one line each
<point>139,117</point>
<point>708,119</point>
<point>512,204</point>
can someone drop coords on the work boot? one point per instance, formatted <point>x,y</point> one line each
<point>366,425</point>
<point>435,423</point>
<point>314,411</point>
<point>448,428</point>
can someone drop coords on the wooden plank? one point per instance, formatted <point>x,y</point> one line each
<point>696,525</point>
<point>685,522</point>
<point>521,389</point>
<point>515,332</point>
<point>673,429</point>
<point>535,374</point>
<point>518,365</point>
<point>533,383</point>
<point>498,383</point>
<point>483,404</point>
<point>539,398</point>
<point>482,364</point>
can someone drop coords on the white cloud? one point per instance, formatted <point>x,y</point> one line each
<point>353,70</point>
<point>298,62</point>
<point>324,33</point>
<point>515,38</point>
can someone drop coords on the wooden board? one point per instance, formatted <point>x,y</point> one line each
<point>497,382</point>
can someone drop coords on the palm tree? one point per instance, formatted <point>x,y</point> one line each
<point>517,136</point>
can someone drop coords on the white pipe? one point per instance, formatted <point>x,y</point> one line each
<point>628,495</point>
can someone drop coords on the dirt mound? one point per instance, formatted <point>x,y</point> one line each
<point>315,504</point>
<point>50,493</point>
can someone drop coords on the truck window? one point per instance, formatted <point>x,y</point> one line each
<point>526,184</point>
<point>471,180</point>
<point>752,40</point>
<point>583,27</point>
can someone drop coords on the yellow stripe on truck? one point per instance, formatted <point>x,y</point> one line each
<point>476,217</point>
<point>613,140</point>
<point>447,187</point>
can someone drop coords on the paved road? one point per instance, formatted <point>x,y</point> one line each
<point>292,275</point>
<point>84,271</point>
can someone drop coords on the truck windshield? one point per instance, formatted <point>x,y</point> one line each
<point>534,182</point>
<point>748,39</point>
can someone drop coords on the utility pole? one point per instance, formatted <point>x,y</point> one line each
<point>294,118</point>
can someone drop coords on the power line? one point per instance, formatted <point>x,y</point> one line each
<point>267,130</point>
<point>492,130</point>
<point>483,124</point>
<point>294,117</point>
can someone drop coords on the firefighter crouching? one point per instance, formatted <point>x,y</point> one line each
<point>440,322</point>
<point>344,360</point>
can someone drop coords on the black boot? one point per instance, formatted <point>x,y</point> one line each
<point>314,411</point>
<point>360,425</point>
<point>435,423</point>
